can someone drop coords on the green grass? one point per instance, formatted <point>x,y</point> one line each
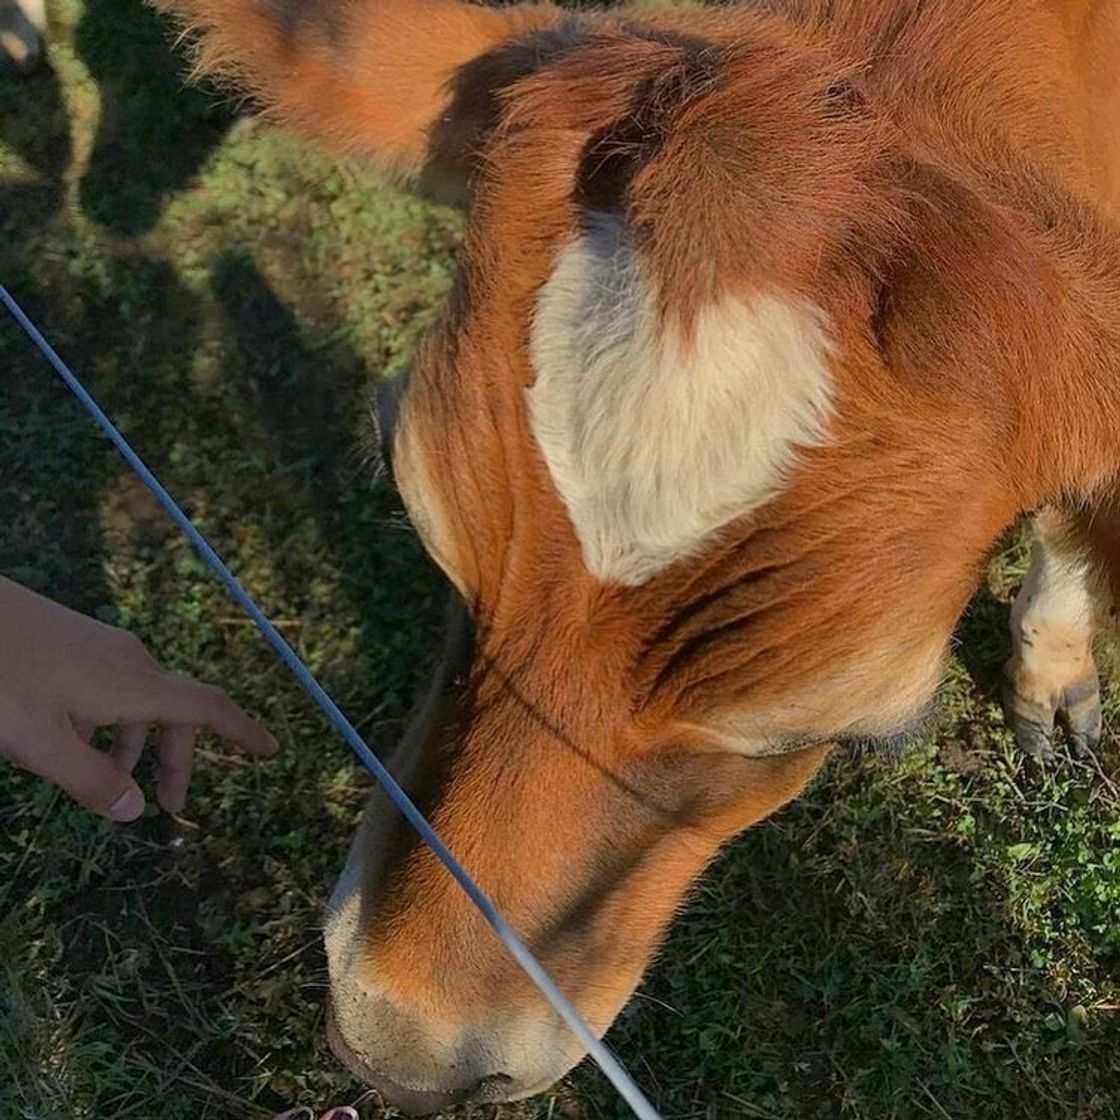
<point>932,938</point>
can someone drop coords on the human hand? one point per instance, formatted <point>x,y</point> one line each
<point>63,675</point>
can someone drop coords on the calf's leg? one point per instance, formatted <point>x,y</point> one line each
<point>1066,599</point>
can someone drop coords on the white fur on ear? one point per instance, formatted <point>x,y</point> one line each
<point>654,443</point>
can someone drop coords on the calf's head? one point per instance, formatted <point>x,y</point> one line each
<point>685,446</point>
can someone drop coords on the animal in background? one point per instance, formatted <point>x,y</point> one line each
<point>22,26</point>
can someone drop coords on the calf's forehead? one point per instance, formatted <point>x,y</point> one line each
<point>568,386</point>
<point>586,428</point>
<point>655,438</point>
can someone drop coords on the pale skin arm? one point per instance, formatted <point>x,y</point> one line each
<point>63,675</point>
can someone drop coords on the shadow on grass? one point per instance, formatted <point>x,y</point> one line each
<point>984,641</point>
<point>33,125</point>
<point>119,323</point>
<point>33,121</point>
<point>55,466</point>
<point>311,397</point>
<point>143,151</point>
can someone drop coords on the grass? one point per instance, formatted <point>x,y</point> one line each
<point>937,937</point>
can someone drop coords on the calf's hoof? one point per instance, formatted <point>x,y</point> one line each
<point>1033,710</point>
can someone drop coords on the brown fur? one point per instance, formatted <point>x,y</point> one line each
<point>352,74</point>
<point>943,179</point>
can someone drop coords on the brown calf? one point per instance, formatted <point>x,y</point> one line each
<point>770,321</point>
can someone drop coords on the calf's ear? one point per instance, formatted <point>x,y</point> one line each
<point>391,80</point>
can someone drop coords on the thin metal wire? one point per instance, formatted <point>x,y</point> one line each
<point>625,1085</point>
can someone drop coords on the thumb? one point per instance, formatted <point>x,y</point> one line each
<point>91,778</point>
